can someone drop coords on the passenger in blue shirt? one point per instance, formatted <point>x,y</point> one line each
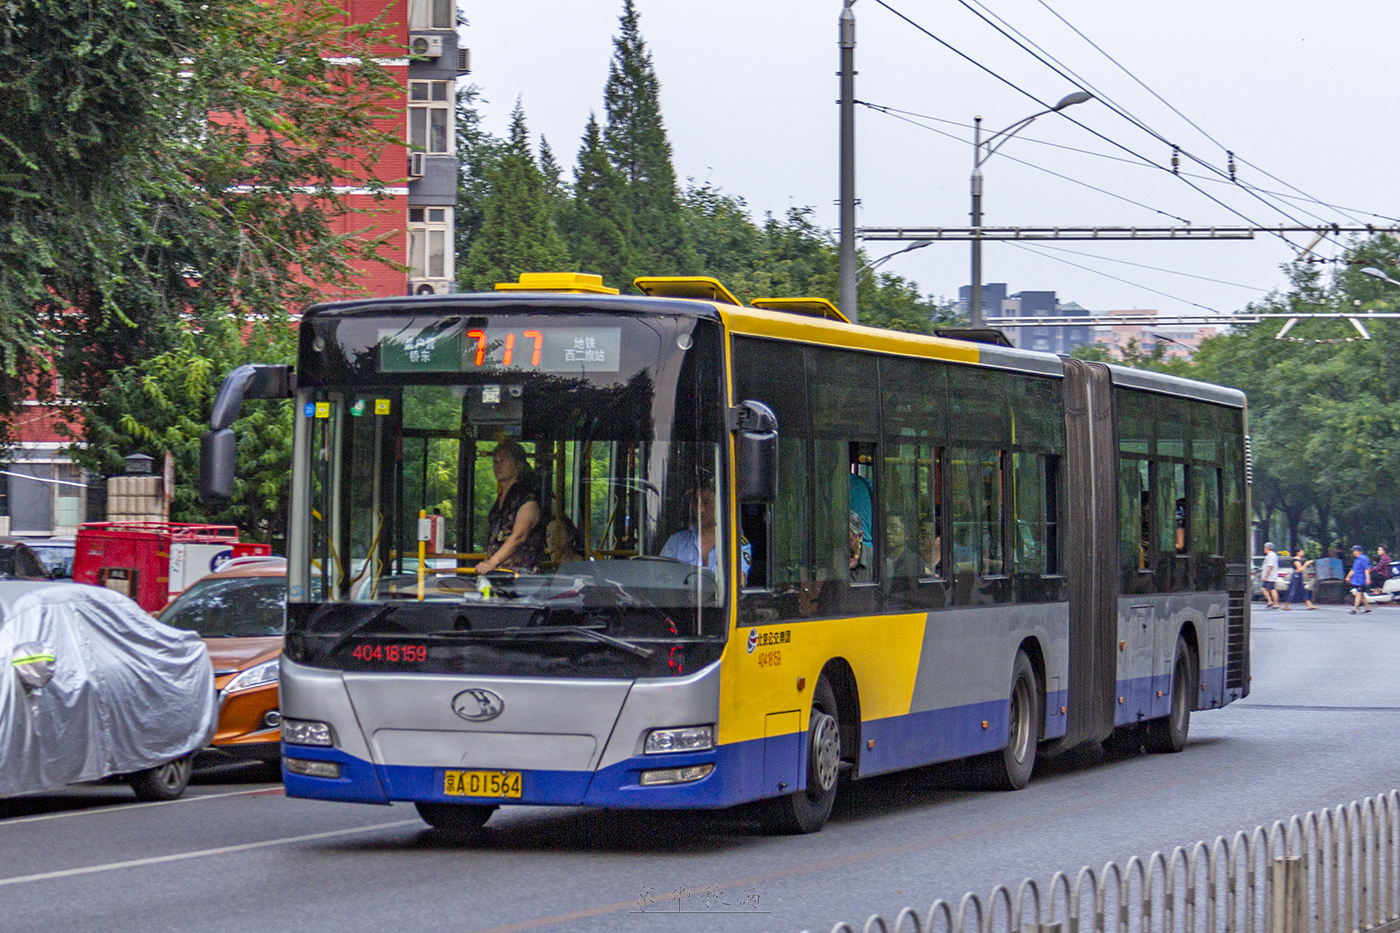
<point>1360,577</point>
<point>700,538</point>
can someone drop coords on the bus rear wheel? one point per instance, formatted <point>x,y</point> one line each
<point>458,819</point>
<point>806,810</point>
<point>1010,768</point>
<point>1169,734</point>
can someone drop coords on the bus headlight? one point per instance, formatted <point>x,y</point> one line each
<point>688,739</point>
<point>302,732</point>
<point>264,673</point>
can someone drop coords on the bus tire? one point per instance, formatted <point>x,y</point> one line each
<point>1169,733</point>
<point>1010,768</point>
<point>163,782</point>
<point>457,819</point>
<point>806,810</point>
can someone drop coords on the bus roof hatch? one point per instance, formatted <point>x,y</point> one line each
<point>557,282</point>
<point>701,287</point>
<point>812,307</point>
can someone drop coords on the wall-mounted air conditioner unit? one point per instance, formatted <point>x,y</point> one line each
<point>416,161</point>
<point>425,46</point>
<point>464,61</point>
<point>430,286</point>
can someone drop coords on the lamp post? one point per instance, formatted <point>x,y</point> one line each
<point>847,283</point>
<point>993,143</point>
<point>1372,270</point>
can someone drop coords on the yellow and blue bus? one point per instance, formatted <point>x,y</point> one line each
<point>732,553</point>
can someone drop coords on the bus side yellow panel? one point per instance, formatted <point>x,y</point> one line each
<point>883,652</point>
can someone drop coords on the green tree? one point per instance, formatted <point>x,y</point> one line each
<point>163,403</point>
<point>478,151</point>
<point>600,235</point>
<point>517,232</point>
<point>220,191</point>
<point>641,153</point>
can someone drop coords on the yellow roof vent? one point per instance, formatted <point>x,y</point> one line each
<point>557,282</point>
<point>701,287</point>
<point>812,307</point>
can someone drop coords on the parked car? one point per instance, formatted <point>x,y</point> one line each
<point>56,554</point>
<point>239,612</point>
<point>93,687</point>
<point>19,562</point>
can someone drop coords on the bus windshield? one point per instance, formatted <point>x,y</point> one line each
<point>578,459</point>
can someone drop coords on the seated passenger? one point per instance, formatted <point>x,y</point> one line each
<point>563,541</point>
<point>861,556</point>
<point>689,544</point>
<point>900,562</point>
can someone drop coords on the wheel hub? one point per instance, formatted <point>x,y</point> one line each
<point>826,752</point>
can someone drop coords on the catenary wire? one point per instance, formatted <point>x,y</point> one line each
<point>1069,75</point>
<point>1189,275</point>
<point>1113,142</point>
<point>1213,179</point>
<point>1039,168</point>
<point>1106,275</point>
<point>1183,116</point>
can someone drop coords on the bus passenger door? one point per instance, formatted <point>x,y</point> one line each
<point>1136,681</point>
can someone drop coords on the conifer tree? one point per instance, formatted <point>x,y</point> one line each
<point>477,152</point>
<point>641,154</point>
<point>517,231</point>
<point>600,235</point>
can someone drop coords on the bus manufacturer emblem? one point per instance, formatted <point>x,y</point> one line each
<point>477,705</point>
<point>753,639</point>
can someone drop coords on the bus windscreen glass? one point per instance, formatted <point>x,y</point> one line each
<point>619,548</point>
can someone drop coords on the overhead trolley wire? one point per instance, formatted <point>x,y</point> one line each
<point>1113,142</point>
<point>1028,247</point>
<point>1189,275</point>
<point>1213,179</point>
<point>1183,116</point>
<point>1040,168</point>
<point>1069,75</point>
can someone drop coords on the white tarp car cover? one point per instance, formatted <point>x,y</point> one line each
<point>119,692</point>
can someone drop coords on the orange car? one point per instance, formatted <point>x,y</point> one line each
<point>239,611</point>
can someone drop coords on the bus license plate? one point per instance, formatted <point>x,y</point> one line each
<point>481,784</point>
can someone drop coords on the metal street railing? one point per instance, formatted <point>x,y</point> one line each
<point>1329,871</point>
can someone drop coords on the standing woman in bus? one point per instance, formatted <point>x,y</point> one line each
<point>515,534</point>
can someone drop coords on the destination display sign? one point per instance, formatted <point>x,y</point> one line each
<point>453,346</point>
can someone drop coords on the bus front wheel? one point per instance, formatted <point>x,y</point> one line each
<point>459,819</point>
<point>1010,768</point>
<point>806,810</point>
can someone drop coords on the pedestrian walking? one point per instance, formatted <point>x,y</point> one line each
<point>1268,577</point>
<point>1297,590</point>
<point>1381,571</point>
<point>1360,577</point>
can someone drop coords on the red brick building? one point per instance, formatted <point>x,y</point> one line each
<point>43,493</point>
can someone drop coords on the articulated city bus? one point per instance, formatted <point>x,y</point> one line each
<point>762,551</point>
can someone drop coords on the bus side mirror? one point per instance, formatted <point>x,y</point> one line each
<point>217,455</point>
<point>757,451</point>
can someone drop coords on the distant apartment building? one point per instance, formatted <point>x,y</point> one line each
<point>1051,338</point>
<point>42,492</point>
<point>1177,340</point>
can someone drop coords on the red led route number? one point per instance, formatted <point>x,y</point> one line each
<point>480,337</point>
<point>394,654</point>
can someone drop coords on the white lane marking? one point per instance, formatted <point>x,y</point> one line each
<point>181,856</point>
<point>124,807</point>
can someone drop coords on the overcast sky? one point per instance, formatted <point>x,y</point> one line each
<point>1303,90</point>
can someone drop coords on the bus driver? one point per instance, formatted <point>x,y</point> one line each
<point>689,544</point>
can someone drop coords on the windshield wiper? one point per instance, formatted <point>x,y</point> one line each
<point>361,625</point>
<point>586,631</point>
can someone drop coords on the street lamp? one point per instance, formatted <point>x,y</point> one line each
<point>993,143</point>
<point>1372,270</point>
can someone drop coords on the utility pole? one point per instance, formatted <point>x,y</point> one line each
<point>847,272</point>
<point>974,305</point>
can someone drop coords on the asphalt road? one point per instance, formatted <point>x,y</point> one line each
<point>1320,728</point>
